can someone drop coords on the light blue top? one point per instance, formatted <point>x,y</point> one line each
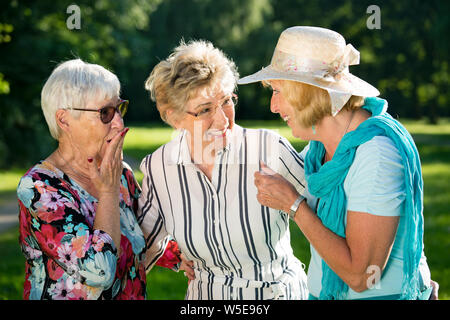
<point>375,185</point>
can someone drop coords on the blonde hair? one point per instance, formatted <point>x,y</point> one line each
<point>311,103</point>
<point>73,84</point>
<point>191,67</point>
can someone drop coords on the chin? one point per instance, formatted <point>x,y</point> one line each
<point>299,134</point>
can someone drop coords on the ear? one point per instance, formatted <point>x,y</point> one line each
<point>62,119</point>
<point>174,122</point>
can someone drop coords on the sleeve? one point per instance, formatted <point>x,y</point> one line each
<point>375,182</point>
<point>171,258</point>
<point>150,217</point>
<point>58,227</point>
<point>291,165</point>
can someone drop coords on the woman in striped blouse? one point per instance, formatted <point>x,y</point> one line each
<point>198,188</point>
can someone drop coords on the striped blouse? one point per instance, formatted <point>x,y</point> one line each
<point>240,249</point>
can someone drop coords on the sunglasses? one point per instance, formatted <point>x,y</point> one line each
<point>107,113</point>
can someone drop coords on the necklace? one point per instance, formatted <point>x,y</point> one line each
<point>348,125</point>
<point>327,157</point>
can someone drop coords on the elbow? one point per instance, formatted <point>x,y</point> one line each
<point>100,270</point>
<point>357,283</point>
<point>362,281</point>
<point>358,286</point>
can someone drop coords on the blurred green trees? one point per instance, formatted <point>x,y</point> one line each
<point>407,59</point>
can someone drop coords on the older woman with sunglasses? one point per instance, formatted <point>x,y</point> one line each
<point>78,229</point>
<point>198,188</point>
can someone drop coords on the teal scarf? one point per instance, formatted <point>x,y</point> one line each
<point>327,183</point>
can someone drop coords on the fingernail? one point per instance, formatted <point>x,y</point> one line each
<point>90,160</point>
<point>124,131</point>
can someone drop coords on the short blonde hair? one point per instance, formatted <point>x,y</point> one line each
<point>191,67</point>
<point>312,103</point>
<point>73,84</point>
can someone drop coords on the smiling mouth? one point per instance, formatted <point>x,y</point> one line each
<point>286,118</point>
<point>214,133</point>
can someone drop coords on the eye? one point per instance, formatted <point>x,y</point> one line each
<point>227,102</point>
<point>204,111</point>
<point>275,91</point>
<point>106,111</point>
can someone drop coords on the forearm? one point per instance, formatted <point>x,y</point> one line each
<point>331,247</point>
<point>107,216</point>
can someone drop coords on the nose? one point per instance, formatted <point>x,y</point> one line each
<point>274,105</point>
<point>221,120</point>
<point>117,121</point>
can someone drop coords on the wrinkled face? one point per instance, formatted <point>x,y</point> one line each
<point>278,104</point>
<point>209,117</point>
<point>88,134</point>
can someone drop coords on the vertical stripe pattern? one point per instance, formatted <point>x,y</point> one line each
<point>240,249</point>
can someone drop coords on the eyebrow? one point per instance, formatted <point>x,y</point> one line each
<point>111,105</point>
<point>207,103</point>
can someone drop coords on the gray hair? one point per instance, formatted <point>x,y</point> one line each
<point>192,66</point>
<point>73,84</point>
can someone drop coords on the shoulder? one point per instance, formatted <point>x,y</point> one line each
<point>170,148</point>
<point>260,132</point>
<point>45,187</point>
<point>375,181</point>
<point>41,171</point>
<point>378,151</point>
<point>269,137</point>
<point>39,176</point>
<point>268,142</point>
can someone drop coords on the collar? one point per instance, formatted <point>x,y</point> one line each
<point>179,153</point>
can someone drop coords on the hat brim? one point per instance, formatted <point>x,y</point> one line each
<point>348,83</point>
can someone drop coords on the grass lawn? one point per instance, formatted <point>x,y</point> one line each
<point>433,143</point>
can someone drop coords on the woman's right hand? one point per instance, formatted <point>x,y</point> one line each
<point>188,267</point>
<point>106,180</point>
<point>106,176</point>
<point>274,191</point>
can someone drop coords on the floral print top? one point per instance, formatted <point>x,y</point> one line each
<point>66,258</point>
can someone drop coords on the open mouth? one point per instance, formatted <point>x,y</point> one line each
<point>286,118</point>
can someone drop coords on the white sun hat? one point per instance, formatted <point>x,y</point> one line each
<point>319,57</point>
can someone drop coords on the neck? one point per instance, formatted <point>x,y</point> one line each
<point>71,161</point>
<point>332,129</point>
<point>203,154</point>
<point>204,151</point>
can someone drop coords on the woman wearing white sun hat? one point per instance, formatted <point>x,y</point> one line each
<point>362,207</point>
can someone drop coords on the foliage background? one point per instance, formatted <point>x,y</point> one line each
<point>407,59</point>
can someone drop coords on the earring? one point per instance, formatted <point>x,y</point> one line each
<point>313,129</point>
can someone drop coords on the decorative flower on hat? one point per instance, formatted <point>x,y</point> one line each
<point>340,64</point>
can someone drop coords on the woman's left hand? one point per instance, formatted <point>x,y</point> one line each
<point>188,267</point>
<point>434,293</point>
<point>274,191</point>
